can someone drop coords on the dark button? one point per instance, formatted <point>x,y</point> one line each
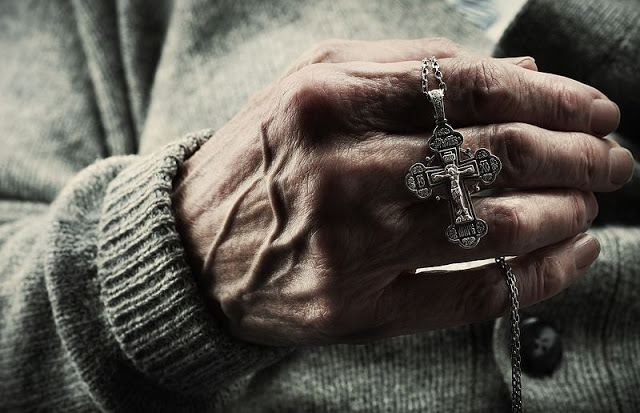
<point>541,347</point>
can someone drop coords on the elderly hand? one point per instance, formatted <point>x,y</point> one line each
<point>301,229</point>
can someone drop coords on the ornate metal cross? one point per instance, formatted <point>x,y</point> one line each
<point>465,229</point>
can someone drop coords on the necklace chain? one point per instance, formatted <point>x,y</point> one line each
<point>436,72</point>
<point>516,370</point>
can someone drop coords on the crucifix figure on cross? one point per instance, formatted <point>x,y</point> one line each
<point>465,229</point>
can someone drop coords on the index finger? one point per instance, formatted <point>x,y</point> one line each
<point>388,96</point>
<point>489,88</point>
<point>381,51</point>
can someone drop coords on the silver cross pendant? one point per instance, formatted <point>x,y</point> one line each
<point>454,173</point>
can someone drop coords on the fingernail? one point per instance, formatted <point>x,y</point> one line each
<point>621,165</point>
<point>585,251</point>
<point>605,117</point>
<point>528,62</point>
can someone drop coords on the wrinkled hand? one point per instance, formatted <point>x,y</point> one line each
<point>300,227</point>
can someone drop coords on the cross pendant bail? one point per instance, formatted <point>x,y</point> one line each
<point>436,97</point>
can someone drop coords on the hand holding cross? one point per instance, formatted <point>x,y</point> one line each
<point>465,229</point>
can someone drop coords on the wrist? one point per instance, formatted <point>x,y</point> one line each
<point>219,202</point>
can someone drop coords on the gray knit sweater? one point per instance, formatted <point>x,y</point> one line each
<point>98,310</point>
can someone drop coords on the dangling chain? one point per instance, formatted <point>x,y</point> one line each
<point>516,372</point>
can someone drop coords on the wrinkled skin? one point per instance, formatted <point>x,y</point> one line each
<point>299,226</point>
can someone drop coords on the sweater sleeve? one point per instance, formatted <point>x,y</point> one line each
<point>593,41</point>
<point>98,310</point>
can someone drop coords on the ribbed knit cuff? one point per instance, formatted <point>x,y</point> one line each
<point>152,304</point>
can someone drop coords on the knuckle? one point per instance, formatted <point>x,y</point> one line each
<point>514,146</point>
<point>588,167</point>
<point>567,104</point>
<point>328,51</point>
<point>305,98</point>
<point>579,210</point>
<point>487,85</point>
<point>547,279</point>
<point>482,84</point>
<point>511,228</point>
<point>304,87</point>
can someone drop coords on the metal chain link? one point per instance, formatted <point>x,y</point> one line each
<point>425,77</point>
<point>436,72</point>
<point>516,370</point>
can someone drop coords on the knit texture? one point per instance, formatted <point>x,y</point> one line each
<point>596,318</point>
<point>98,309</point>
<point>595,42</point>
